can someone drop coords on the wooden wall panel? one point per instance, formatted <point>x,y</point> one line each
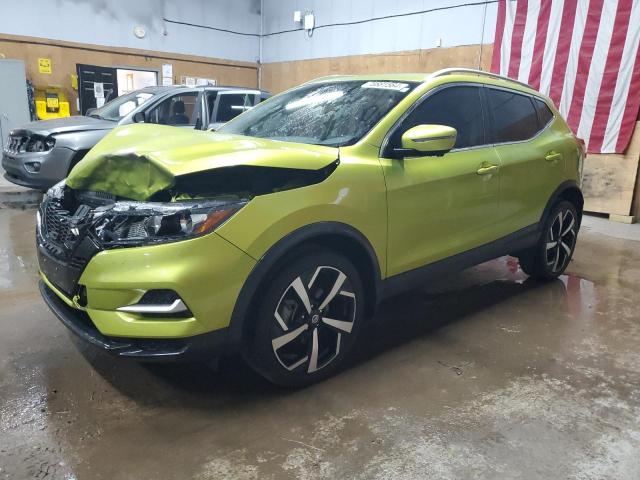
<point>65,55</point>
<point>280,76</point>
<point>609,180</point>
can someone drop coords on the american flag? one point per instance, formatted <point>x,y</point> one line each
<point>584,55</point>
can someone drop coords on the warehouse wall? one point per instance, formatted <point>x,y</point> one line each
<point>111,23</point>
<point>280,76</point>
<point>413,42</point>
<point>413,32</point>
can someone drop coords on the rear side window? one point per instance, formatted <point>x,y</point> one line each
<point>514,117</point>
<point>457,107</point>
<point>544,113</point>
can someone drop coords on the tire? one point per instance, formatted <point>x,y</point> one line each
<point>549,258</point>
<point>308,320</point>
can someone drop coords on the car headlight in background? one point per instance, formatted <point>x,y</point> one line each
<point>37,143</point>
<point>135,223</point>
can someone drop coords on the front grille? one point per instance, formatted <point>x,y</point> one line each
<point>17,143</point>
<point>63,255</point>
<point>56,228</point>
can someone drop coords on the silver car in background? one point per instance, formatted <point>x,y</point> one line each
<point>40,154</point>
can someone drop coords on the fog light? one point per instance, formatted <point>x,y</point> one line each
<point>32,167</point>
<point>159,303</point>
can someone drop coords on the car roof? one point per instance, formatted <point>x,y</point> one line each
<point>451,75</point>
<point>167,88</point>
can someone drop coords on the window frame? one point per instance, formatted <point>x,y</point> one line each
<point>539,129</point>
<point>386,150</point>
<point>168,97</point>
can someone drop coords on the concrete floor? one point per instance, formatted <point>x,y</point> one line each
<point>484,375</point>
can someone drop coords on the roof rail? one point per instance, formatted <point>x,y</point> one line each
<point>481,73</point>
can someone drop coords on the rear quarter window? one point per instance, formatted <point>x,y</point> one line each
<point>544,113</point>
<point>514,116</point>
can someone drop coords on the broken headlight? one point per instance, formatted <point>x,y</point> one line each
<point>39,144</point>
<point>56,192</point>
<point>137,223</point>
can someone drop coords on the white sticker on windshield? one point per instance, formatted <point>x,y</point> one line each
<point>398,86</point>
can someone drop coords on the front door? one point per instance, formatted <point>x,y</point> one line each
<point>91,95</point>
<point>439,206</point>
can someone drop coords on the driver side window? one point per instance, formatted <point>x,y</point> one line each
<point>176,110</point>
<point>457,107</point>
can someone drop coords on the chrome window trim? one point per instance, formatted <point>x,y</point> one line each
<point>427,94</point>
<point>418,102</point>
<point>531,96</point>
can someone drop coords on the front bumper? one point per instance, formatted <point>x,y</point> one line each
<point>206,272</point>
<point>199,347</point>
<point>54,166</point>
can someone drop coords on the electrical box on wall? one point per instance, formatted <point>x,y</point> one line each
<point>309,21</point>
<point>297,16</point>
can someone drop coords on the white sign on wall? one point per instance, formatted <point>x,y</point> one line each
<point>98,90</point>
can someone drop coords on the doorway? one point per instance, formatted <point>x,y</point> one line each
<point>98,85</point>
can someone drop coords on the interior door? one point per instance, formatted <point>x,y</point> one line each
<point>14,107</point>
<point>439,206</point>
<point>88,76</point>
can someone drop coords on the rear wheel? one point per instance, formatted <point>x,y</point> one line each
<point>551,256</point>
<point>308,319</point>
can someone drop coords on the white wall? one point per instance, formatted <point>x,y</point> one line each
<point>111,23</point>
<point>451,26</point>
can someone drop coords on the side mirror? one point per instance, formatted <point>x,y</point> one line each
<point>139,117</point>
<point>428,140</point>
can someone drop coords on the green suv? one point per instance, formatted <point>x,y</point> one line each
<point>278,235</point>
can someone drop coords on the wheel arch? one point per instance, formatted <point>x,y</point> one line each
<point>337,237</point>
<point>568,190</point>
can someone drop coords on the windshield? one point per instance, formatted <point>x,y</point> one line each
<point>329,113</point>
<point>121,106</point>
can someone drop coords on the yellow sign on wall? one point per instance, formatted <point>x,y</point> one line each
<point>44,65</point>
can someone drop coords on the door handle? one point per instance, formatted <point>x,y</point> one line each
<point>553,157</point>
<point>487,170</point>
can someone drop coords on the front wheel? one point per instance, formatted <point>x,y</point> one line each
<point>308,319</point>
<point>551,255</point>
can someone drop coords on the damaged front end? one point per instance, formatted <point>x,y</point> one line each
<point>74,225</point>
<point>145,186</point>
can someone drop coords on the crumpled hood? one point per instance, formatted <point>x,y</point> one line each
<point>76,123</point>
<point>136,161</point>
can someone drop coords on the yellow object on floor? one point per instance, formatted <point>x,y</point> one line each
<point>51,103</point>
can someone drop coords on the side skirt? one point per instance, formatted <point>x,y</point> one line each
<point>514,242</point>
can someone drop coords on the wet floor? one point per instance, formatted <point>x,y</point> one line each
<point>483,375</point>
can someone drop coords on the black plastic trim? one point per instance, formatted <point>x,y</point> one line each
<point>519,240</point>
<point>198,347</point>
<point>563,187</point>
<point>276,253</point>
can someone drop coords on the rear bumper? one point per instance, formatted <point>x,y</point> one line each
<point>198,347</point>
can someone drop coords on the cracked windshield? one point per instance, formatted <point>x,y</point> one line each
<point>333,114</point>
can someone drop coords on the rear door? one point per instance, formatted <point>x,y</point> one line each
<point>441,206</point>
<point>531,155</point>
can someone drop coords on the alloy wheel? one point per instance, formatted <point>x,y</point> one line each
<point>314,313</point>
<point>560,241</point>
